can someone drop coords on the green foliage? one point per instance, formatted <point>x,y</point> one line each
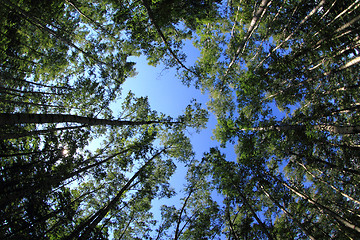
<point>70,181</point>
<point>295,176</point>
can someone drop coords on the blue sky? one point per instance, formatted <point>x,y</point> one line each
<point>168,95</point>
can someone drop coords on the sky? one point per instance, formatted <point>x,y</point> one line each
<point>168,95</point>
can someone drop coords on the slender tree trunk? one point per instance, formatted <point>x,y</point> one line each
<point>162,36</point>
<point>261,224</point>
<point>53,214</point>
<point>313,11</point>
<point>342,130</point>
<point>21,118</point>
<point>88,226</point>
<point>178,222</point>
<point>9,90</point>
<point>321,208</point>
<point>126,227</point>
<point>288,214</point>
<point>31,104</point>
<point>231,225</point>
<point>15,135</point>
<point>255,21</point>
<point>51,180</point>
<point>42,26</point>
<point>88,18</point>
<point>331,165</point>
<point>35,83</point>
<point>328,184</point>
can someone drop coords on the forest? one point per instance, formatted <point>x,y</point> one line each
<point>73,168</point>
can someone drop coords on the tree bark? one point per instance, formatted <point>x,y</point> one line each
<point>287,213</point>
<point>178,222</point>
<point>163,38</point>
<point>331,165</point>
<point>261,224</point>
<point>88,226</point>
<point>253,25</point>
<point>15,135</point>
<point>321,208</point>
<point>328,184</point>
<point>21,118</point>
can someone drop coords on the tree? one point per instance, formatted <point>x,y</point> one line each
<point>62,67</point>
<point>300,58</point>
<point>295,175</point>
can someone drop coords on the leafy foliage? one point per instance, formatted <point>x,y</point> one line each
<point>295,174</point>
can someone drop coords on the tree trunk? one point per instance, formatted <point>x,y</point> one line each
<point>88,226</point>
<point>21,118</point>
<point>312,12</point>
<point>253,25</point>
<point>178,222</point>
<point>50,181</point>
<point>331,165</point>
<point>163,38</point>
<point>20,134</point>
<point>288,213</point>
<point>43,26</point>
<point>328,184</point>
<point>321,208</point>
<point>261,224</point>
<point>342,130</point>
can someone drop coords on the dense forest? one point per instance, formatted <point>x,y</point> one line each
<point>64,62</point>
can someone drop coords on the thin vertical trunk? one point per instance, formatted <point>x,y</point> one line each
<point>35,83</point>
<point>51,181</point>
<point>98,25</point>
<point>42,26</point>
<point>15,135</point>
<point>178,222</point>
<point>261,224</point>
<point>288,214</point>
<point>9,90</point>
<point>255,21</point>
<point>21,118</point>
<point>50,215</point>
<point>126,227</point>
<point>313,11</point>
<point>329,164</point>
<point>162,36</point>
<point>328,184</point>
<point>88,226</point>
<point>231,225</point>
<point>31,104</point>
<point>319,206</point>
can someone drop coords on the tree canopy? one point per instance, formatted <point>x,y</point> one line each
<point>283,83</point>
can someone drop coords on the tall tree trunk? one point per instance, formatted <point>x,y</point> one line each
<point>88,226</point>
<point>261,224</point>
<point>21,118</point>
<point>312,12</point>
<point>20,134</point>
<point>163,38</point>
<point>231,225</point>
<point>255,21</point>
<point>178,222</point>
<point>329,164</point>
<point>319,206</point>
<point>328,184</point>
<point>43,26</point>
<point>287,213</point>
<point>51,181</point>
